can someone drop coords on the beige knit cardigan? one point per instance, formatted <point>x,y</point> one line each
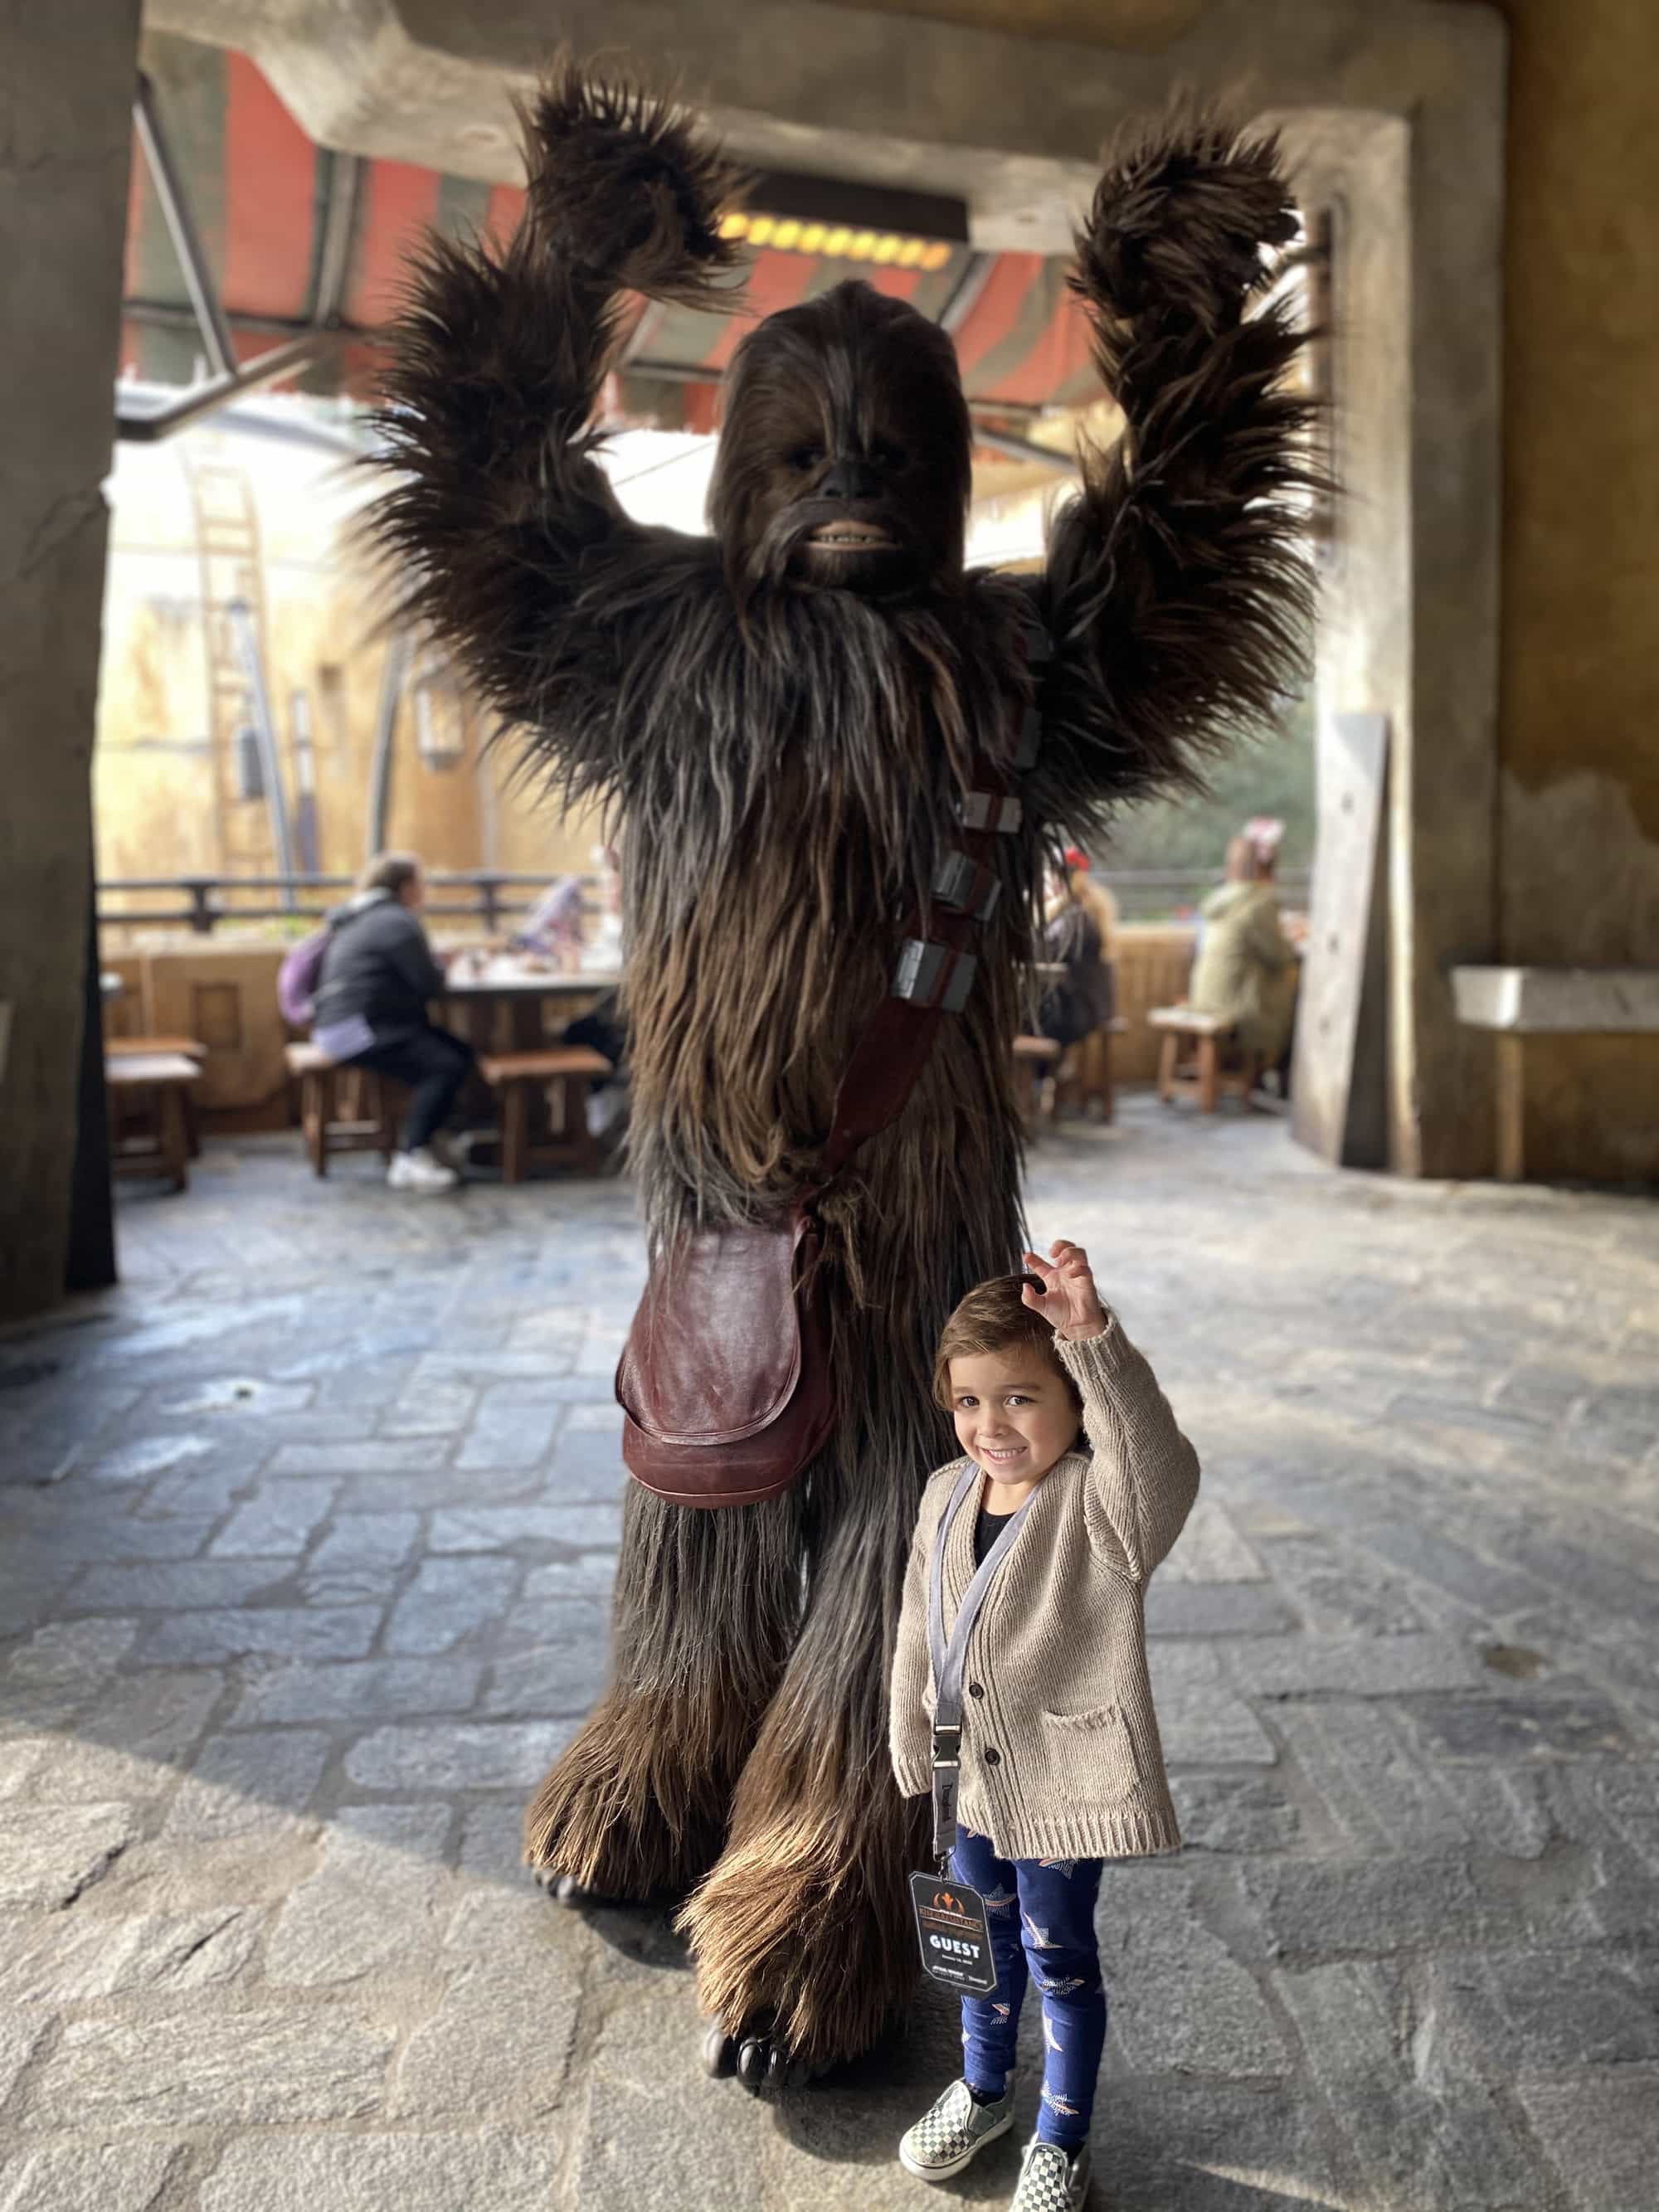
<point>1061,1756</point>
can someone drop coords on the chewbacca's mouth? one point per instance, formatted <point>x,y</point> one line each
<point>854,537</point>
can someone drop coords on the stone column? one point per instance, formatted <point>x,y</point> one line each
<point>65,138</point>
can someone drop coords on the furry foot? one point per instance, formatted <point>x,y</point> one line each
<point>760,2060</point>
<point>621,1819</point>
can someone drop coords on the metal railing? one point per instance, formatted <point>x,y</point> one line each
<point>490,895</point>
<point>202,902</point>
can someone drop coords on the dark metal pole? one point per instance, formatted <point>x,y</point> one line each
<point>187,244</point>
<point>264,726</point>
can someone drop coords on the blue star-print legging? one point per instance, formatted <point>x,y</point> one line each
<point>1042,1917</point>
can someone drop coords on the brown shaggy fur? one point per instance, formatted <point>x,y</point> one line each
<point>786,733</point>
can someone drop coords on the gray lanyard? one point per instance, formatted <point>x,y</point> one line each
<point>947,1660</point>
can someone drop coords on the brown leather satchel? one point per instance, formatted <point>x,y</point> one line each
<point>725,1383</point>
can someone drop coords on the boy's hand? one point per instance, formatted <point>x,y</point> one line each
<point>1068,1301</point>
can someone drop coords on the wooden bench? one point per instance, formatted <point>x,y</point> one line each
<point>127,1047</point>
<point>1085,1070</point>
<point>1201,1058</point>
<point>342,1110</point>
<point>564,1071</point>
<point>1033,1058</point>
<point>156,1143</point>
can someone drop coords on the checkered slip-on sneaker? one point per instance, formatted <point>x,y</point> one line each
<point>1049,2180</point>
<point>944,2140</point>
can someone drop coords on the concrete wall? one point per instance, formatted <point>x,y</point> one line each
<point>1578,810</point>
<point>65,95</point>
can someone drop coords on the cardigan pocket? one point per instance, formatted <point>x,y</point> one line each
<point>1091,1757</point>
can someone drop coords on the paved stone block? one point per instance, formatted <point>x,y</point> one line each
<point>52,1538</point>
<point>365,1540</point>
<point>1374,1907</point>
<point>1177,2145</point>
<point>379,1900</point>
<point>511,1432</point>
<point>191,1491</point>
<point>49,1853</point>
<point>1420,2151</point>
<point>474,1755</point>
<point>1363,1769</point>
<point>243,1396</point>
<point>560,1582</point>
<point>1234,1812</point>
<point>480,2170</point>
<point>139,1458</point>
<point>1484,1586</point>
<point>363,1691</point>
<point>381,1456</point>
<point>1504,2013</point>
<point>258,1782</point>
<point>448,1601</point>
<point>1564,1718</point>
<point>176,1585</point>
<point>19,2034</point>
<point>280,1519</point>
<point>205,2068</point>
<point>76,1657</point>
<point>1601,2130</point>
<point>1201,1723</point>
<point>1377,1666</point>
<point>1209,1549</point>
<point>22,1757</point>
<point>1343,1593</point>
<point>505,1528</point>
<point>499,2043</point>
<point>1212,1609</point>
<point>593,1416</point>
<point>67,2176</point>
<point>1179,2001</point>
<point>68,1958</point>
<point>132,1742</point>
<point>340,1632</point>
<point>429,1406</point>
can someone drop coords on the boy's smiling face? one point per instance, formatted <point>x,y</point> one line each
<point>1014,1411</point>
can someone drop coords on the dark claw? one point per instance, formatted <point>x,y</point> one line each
<point>564,1888</point>
<point>752,2057</point>
<point>720,2053</point>
<point>768,2066</point>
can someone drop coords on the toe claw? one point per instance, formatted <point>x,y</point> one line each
<point>720,2053</point>
<point>752,2058</point>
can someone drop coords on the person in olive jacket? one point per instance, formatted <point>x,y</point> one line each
<point>378,974</point>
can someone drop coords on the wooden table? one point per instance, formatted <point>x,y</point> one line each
<point>500,1005</point>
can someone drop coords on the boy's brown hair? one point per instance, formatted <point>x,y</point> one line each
<point>993,1316</point>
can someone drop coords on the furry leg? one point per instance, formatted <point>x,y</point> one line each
<point>706,1607</point>
<point>801,1931</point>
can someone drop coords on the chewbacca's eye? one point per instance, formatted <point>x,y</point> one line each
<point>805,458</point>
<point>890,459</point>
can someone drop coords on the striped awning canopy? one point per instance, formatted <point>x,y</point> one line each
<point>299,237</point>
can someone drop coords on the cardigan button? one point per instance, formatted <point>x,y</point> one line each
<point>993,1756</point>
<point>974,1690</point>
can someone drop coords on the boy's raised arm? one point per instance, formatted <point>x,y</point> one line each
<point>1143,1473</point>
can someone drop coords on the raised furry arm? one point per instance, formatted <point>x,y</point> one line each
<point>504,535</point>
<point>1177,588</point>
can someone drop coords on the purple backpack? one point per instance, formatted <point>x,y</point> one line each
<point>298,977</point>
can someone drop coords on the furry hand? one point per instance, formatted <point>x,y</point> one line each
<point>1068,1301</point>
<point>622,185</point>
<point>1179,221</point>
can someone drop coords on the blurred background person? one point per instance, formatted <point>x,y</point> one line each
<point>1246,968</point>
<point>378,974</point>
<point>1079,926</point>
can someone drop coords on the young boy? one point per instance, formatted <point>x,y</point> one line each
<point>1061,1765</point>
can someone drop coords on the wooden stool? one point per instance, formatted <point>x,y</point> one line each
<point>125,1048</point>
<point>342,1110</point>
<point>568,1068</point>
<point>1033,1057</point>
<point>163,1147</point>
<point>1085,1072</point>
<point>1200,1058</point>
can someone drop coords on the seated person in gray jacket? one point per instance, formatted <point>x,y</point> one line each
<point>378,974</point>
<point>1032,1720</point>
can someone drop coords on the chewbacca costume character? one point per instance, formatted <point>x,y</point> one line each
<point>787,716</point>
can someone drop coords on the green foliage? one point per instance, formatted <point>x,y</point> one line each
<point>1272,776</point>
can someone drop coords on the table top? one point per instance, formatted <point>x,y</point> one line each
<point>507,974</point>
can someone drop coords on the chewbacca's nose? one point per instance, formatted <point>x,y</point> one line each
<point>850,479</point>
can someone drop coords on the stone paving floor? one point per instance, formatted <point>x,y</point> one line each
<point>305,1539</point>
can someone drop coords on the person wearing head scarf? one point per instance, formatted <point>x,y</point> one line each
<point>1247,969</point>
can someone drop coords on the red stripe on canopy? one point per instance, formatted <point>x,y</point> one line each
<point>399,202</point>
<point>269,200</point>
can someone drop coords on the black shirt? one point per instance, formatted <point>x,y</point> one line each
<point>987,1530</point>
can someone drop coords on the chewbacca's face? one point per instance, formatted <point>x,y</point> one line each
<point>844,455</point>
